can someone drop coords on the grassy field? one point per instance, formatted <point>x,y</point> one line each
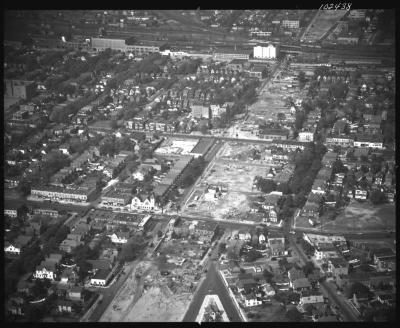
<point>271,313</point>
<point>364,216</point>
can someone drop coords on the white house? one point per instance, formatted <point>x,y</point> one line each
<point>119,237</point>
<point>143,202</point>
<point>12,249</point>
<point>46,270</point>
<point>306,136</point>
<point>101,277</point>
<point>251,300</point>
<point>360,194</point>
<point>268,290</point>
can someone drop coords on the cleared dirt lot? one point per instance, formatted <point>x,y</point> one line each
<point>145,296</point>
<point>237,179</point>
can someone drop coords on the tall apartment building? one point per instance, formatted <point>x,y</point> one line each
<point>268,52</point>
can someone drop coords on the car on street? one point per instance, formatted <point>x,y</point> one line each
<point>292,232</point>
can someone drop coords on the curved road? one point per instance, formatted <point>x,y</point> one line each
<point>212,284</point>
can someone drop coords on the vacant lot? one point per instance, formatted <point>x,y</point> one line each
<point>234,176</point>
<point>238,180</point>
<point>273,312</point>
<point>325,20</point>
<point>159,304</point>
<point>363,216</point>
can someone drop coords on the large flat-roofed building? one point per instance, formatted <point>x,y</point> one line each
<point>19,89</point>
<point>273,134</point>
<point>116,198</point>
<point>100,44</point>
<point>228,55</point>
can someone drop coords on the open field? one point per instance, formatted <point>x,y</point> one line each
<point>364,217</point>
<point>273,312</point>
<point>324,21</point>
<point>358,217</point>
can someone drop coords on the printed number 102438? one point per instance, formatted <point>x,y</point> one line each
<point>339,6</point>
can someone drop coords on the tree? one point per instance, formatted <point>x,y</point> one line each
<point>302,79</point>
<point>377,197</point>
<point>252,255</point>
<point>222,248</point>
<point>266,185</point>
<point>338,167</point>
<point>300,118</point>
<point>294,315</point>
<point>357,288</point>
<point>308,268</point>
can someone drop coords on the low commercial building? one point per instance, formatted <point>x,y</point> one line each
<point>273,134</point>
<point>369,141</point>
<point>60,194</point>
<point>116,198</point>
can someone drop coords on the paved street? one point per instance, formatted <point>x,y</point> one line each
<point>327,289</point>
<point>109,293</point>
<point>212,284</point>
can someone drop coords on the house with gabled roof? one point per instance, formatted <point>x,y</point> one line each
<point>143,202</point>
<point>45,270</point>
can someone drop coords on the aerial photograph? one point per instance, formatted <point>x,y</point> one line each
<point>199,165</point>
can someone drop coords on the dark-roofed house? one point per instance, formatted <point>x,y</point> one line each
<point>75,293</point>
<point>300,284</point>
<point>294,274</point>
<point>101,278</point>
<point>318,186</point>
<point>385,259</point>
<point>338,266</point>
<point>100,264</point>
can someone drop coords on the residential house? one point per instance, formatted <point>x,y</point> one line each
<point>319,186</point>
<point>251,300</point>
<point>294,274</point>
<point>75,293</point>
<point>45,270</point>
<point>282,282</point>
<point>385,259</point>
<point>338,266</point>
<point>311,297</point>
<point>64,306</point>
<point>324,251</point>
<point>119,237</point>
<point>68,276</point>
<point>300,284</point>
<point>68,245</point>
<point>101,278</point>
<point>143,202</point>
